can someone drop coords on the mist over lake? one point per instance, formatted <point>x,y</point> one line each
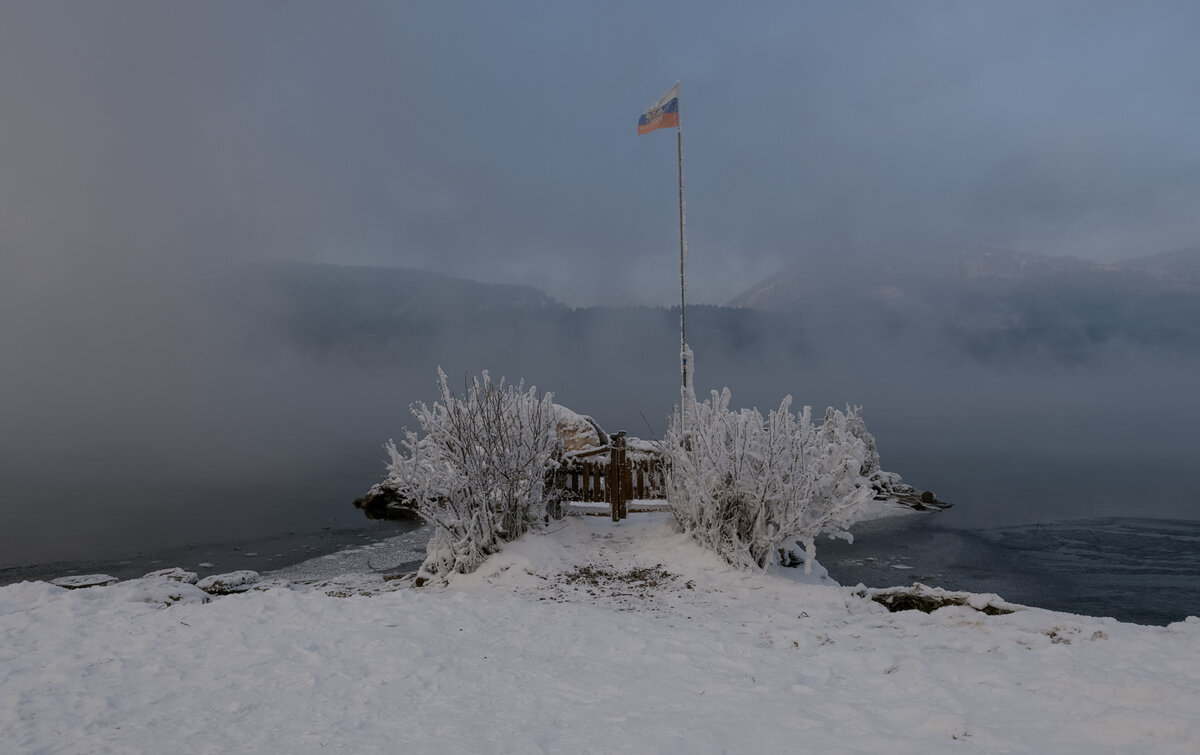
<point>238,239</point>
<point>278,425</point>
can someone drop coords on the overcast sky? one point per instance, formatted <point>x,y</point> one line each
<point>497,141</point>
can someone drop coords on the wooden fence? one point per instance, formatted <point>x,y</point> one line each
<point>587,480</point>
<point>591,479</point>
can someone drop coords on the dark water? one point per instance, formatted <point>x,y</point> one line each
<point>1145,571</point>
<point>261,554</point>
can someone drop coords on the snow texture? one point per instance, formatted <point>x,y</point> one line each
<point>587,636</point>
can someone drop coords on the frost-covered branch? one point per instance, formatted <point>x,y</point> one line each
<point>480,473</point>
<point>748,486</point>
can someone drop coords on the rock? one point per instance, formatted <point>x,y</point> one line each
<point>382,502</point>
<point>919,597</point>
<point>887,487</point>
<point>227,584</point>
<point>578,431</point>
<point>174,574</point>
<point>77,581</point>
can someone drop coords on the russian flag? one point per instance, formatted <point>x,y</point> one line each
<point>662,114</point>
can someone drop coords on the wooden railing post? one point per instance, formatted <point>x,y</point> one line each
<point>614,480</point>
<point>622,476</point>
<point>626,485</point>
<point>610,489</point>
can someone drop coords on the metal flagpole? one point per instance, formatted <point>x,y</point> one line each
<point>683,366</point>
<point>657,117</point>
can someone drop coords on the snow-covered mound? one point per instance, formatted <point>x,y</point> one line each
<point>592,636</point>
<point>156,591</point>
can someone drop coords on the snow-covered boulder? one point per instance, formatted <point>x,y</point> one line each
<point>227,584</point>
<point>77,581</point>
<point>919,597</point>
<point>578,431</point>
<point>174,574</point>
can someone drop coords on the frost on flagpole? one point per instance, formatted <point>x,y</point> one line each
<point>687,392</point>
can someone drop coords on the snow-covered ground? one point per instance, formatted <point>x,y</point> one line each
<point>594,636</point>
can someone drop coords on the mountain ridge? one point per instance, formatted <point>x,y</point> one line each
<point>990,305</point>
<point>1170,271</point>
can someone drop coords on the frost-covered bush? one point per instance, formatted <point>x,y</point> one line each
<point>481,472</point>
<point>751,487</point>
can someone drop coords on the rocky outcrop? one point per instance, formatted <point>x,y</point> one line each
<point>907,495</point>
<point>927,599</point>
<point>382,502</point>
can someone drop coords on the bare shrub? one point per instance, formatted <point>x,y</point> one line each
<point>480,473</point>
<point>750,487</point>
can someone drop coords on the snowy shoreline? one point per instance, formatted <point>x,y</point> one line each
<point>591,636</point>
<point>262,554</point>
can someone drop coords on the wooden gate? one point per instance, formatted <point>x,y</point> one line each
<point>608,474</point>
